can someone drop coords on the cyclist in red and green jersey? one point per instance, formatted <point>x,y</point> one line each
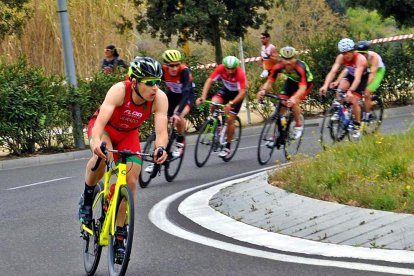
<point>297,86</point>
<point>232,93</point>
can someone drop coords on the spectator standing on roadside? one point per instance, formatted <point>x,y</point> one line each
<point>268,54</point>
<point>112,60</point>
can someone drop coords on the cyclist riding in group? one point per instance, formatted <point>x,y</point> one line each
<point>180,93</point>
<point>232,93</point>
<point>355,80</point>
<point>297,86</point>
<point>126,106</point>
<point>376,70</point>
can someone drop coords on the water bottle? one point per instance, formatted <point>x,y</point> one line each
<point>108,199</point>
<point>223,134</point>
<point>283,121</point>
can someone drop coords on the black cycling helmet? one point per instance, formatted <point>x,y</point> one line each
<point>144,67</point>
<point>362,45</point>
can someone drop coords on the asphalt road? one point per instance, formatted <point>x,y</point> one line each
<point>39,229</point>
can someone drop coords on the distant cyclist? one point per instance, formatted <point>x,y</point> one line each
<point>354,82</point>
<point>180,93</point>
<point>297,86</point>
<point>232,93</point>
<point>376,70</point>
<point>126,106</point>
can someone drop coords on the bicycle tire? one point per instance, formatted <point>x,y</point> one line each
<point>173,164</point>
<point>268,135</point>
<point>205,142</point>
<point>145,177</point>
<point>292,145</point>
<point>377,113</point>
<point>331,131</point>
<point>236,139</point>
<point>91,259</point>
<point>125,195</point>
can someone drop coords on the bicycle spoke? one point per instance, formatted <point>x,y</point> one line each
<point>145,175</point>
<point>235,142</point>
<point>204,143</point>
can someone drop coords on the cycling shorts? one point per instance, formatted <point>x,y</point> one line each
<point>291,87</point>
<point>375,83</point>
<point>174,99</point>
<point>121,140</point>
<point>227,95</point>
<point>361,87</point>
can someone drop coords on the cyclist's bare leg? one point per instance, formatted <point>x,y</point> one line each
<point>296,113</point>
<point>356,108</point>
<point>133,170</point>
<point>180,125</point>
<point>230,127</point>
<point>368,101</point>
<point>92,178</point>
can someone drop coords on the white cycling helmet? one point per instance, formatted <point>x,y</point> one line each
<point>346,45</point>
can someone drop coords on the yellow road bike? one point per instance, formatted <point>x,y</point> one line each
<point>110,205</point>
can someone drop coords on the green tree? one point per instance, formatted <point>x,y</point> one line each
<point>13,14</point>
<point>402,10</point>
<point>196,20</point>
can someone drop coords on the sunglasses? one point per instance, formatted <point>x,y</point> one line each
<point>172,65</point>
<point>151,82</point>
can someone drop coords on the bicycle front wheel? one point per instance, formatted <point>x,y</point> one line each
<point>236,139</point>
<point>332,128</point>
<point>267,141</point>
<point>204,143</point>
<point>292,145</point>
<point>145,175</point>
<point>91,248</point>
<point>118,259</point>
<point>173,164</point>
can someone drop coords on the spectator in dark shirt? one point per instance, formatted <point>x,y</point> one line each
<point>112,60</point>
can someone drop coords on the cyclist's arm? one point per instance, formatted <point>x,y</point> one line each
<point>373,68</point>
<point>186,90</point>
<point>361,65</point>
<point>206,88</point>
<point>160,110</point>
<point>341,76</point>
<point>332,73</point>
<point>114,98</point>
<point>240,96</point>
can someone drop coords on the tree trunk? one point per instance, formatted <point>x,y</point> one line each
<point>217,44</point>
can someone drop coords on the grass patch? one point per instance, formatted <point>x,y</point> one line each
<point>376,173</point>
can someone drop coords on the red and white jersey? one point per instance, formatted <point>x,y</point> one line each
<point>174,83</point>
<point>351,65</point>
<point>234,83</point>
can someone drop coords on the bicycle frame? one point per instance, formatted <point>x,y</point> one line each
<point>109,224</point>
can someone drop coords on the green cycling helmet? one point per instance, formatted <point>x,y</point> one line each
<point>288,52</point>
<point>231,62</point>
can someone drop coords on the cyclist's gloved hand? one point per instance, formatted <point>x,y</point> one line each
<point>322,90</point>
<point>160,155</point>
<point>260,95</point>
<point>98,149</point>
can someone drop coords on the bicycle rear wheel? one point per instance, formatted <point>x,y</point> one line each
<point>145,177</point>
<point>291,146</point>
<point>119,266</point>
<point>204,143</point>
<point>267,141</point>
<point>374,121</point>
<point>235,142</point>
<point>91,248</point>
<point>173,164</point>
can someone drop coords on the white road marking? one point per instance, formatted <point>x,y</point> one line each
<point>38,183</point>
<point>159,218</point>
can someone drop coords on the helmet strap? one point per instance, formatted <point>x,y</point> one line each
<point>136,89</point>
